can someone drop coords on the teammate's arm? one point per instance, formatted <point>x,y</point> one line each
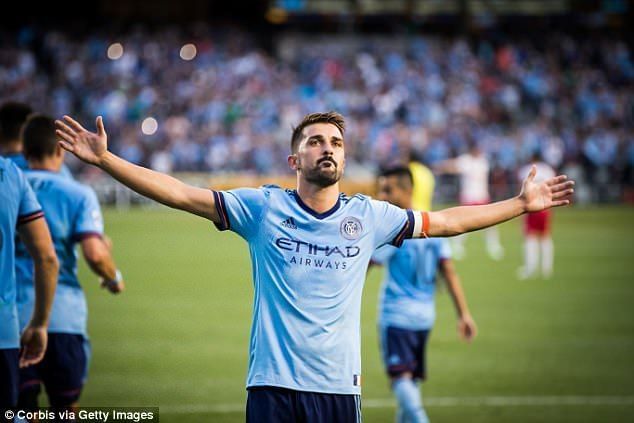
<point>97,252</point>
<point>449,166</point>
<point>467,328</point>
<point>37,240</point>
<point>553,192</point>
<point>92,148</point>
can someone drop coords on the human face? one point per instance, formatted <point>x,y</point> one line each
<point>320,157</point>
<point>391,191</point>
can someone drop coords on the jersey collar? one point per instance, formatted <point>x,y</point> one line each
<point>312,212</point>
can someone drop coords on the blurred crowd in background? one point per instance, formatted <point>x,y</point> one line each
<point>227,101</point>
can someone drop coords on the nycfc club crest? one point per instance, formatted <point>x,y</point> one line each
<point>351,228</point>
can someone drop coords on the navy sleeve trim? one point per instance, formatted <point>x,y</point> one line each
<point>221,208</point>
<point>30,217</point>
<point>80,236</point>
<point>406,232</point>
<point>410,231</point>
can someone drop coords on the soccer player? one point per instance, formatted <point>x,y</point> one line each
<point>310,248</point>
<point>12,118</point>
<point>473,168</point>
<point>537,228</point>
<point>74,217</point>
<point>21,212</point>
<point>406,306</point>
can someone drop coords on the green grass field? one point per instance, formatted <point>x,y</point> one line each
<point>560,350</point>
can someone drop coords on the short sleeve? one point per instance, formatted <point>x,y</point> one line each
<point>29,208</point>
<point>89,220</point>
<point>392,224</point>
<point>240,210</point>
<point>445,249</point>
<point>383,254</point>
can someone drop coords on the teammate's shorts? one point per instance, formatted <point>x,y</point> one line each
<point>279,405</point>
<point>9,377</point>
<point>403,351</point>
<point>537,223</point>
<point>62,371</point>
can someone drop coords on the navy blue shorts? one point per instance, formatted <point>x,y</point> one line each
<point>279,405</point>
<point>404,351</point>
<point>62,371</point>
<point>9,377</point>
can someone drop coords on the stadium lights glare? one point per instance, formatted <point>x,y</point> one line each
<point>149,126</point>
<point>188,51</point>
<point>115,51</point>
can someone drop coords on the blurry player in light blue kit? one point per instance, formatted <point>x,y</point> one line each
<point>407,308</point>
<point>74,217</point>
<point>21,214</point>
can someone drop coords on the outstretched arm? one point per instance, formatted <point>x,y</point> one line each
<point>554,192</point>
<point>449,166</point>
<point>467,328</point>
<point>92,148</point>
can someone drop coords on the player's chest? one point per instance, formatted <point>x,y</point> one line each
<point>340,236</point>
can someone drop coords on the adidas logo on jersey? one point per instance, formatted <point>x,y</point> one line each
<point>289,223</point>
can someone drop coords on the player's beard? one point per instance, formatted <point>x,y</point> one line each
<point>323,176</point>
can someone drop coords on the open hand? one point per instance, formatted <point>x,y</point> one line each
<point>89,147</point>
<point>553,192</point>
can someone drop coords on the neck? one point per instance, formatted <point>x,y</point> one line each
<point>317,198</point>
<point>48,163</point>
<point>11,147</point>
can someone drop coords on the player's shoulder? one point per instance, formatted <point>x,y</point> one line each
<point>273,189</point>
<point>355,198</point>
<point>18,159</point>
<point>8,166</point>
<point>270,191</point>
<point>266,189</point>
<point>255,197</point>
<point>11,173</point>
<point>61,184</point>
<point>360,203</point>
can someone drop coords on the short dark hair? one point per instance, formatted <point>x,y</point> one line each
<point>403,175</point>
<point>12,117</point>
<point>331,117</point>
<point>536,156</point>
<point>38,137</point>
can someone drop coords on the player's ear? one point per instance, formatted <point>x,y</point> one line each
<point>293,161</point>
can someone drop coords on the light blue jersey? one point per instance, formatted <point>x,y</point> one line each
<point>21,162</point>
<point>308,274</point>
<point>409,285</point>
<point>18,206</point>
<point>72,213</point>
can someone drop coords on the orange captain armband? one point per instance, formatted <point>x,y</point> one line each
<point>425,224</point>
<point>421,224</point>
